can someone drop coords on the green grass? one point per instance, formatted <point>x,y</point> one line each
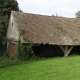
<point>44,69</point>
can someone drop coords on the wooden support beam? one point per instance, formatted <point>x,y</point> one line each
<point>66,49</point>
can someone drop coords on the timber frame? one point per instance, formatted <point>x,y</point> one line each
<point>66,49</point>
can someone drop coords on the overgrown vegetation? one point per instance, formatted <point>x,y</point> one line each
<point>25,51</point>
<point>5,62</point>
<point>3,29</point>
<point>6,6</point>
<point>44,69</point>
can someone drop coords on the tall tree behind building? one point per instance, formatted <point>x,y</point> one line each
<point>78,14</point>
<point>6,6</point>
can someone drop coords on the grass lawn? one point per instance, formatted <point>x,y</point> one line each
<point>44,69</point>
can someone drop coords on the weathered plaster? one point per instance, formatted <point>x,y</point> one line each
<point>12,32</point>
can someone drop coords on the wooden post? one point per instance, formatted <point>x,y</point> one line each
<point>66,49</point>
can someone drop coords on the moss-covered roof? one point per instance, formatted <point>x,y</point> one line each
<point>49,29</point>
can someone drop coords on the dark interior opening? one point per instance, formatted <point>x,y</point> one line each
<point>53,50</point>
<point>75,51</point>
<point>48,50</point>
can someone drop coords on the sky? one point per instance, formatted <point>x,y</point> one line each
<point>64,8</point>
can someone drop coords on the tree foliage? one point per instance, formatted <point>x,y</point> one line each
<point>6,6</point>
<point>3,29</point>
<point>78,14</point>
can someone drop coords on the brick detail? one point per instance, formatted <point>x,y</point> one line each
<point>11,49</point>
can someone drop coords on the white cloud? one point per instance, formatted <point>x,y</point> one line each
<point>65,8</point>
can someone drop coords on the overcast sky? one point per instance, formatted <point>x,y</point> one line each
<point>65,8</point>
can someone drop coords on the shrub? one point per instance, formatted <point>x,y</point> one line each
<point>25,51</point>
<point>5,62</point>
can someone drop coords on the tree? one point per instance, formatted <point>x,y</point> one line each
<point>3,29</point>
<point>78,14</point>
<point>6,6</point>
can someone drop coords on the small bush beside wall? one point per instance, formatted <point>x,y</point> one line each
<point>25,51</point>
<point>5,62</point>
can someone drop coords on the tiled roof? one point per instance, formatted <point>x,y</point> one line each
<point>49,29</point>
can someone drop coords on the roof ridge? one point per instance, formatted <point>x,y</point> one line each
<point>42,15</point>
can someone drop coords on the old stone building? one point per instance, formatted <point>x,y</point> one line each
<point>43,30</point>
